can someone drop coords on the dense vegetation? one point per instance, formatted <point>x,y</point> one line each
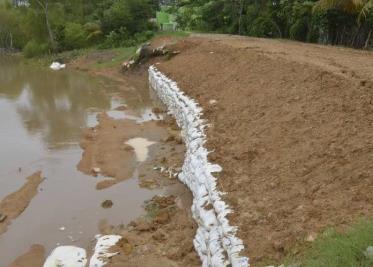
<point>45,26</point>
<point>41,26</point>
<point>337,22</point>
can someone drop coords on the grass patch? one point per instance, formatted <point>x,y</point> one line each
<point>334,249</point>
<point>120,55</point>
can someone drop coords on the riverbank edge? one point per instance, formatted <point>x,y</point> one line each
<point>215,237</point>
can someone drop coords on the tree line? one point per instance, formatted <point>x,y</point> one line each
<point>45,26</point>
<point>336,22</point>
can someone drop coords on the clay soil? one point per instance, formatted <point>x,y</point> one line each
<point>32,258</point>
<point>292,127</point>
<point>14,204</point>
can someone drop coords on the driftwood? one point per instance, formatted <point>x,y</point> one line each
<point>144,53</point>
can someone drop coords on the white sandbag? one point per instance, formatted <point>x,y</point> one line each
<point>57,66</point>
<point>67,256</point>
<point>101,253</point>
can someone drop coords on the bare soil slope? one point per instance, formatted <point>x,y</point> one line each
<point>292,127</point>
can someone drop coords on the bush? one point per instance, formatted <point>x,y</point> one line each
<point>93,31</point>
<point>142,37</point>
<point>34,48</point>
<point>118,38</point>
<point>264,27</point>
<point>299,30</point>
<point>75,36</point>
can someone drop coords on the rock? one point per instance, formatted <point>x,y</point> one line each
<point>278,246</point>
<point>142,225</point>
<point>157,110</point>
<point>311,237</point>
<point>121,108</point>
<point>179,139</point>
<point>107,204</point>
<point>163,217</point>
<point>368,253</point>
<point>96,170</point>
<point>159,236</point>
<point>2,217</point>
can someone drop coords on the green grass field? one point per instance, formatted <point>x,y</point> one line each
<point>333,249</point>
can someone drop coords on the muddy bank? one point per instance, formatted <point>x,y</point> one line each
<point>161,238</point>
<point>115,148</point>
<point>126,148</point>
<point>34,257</point>
<point>293,135</point>
<point>14,204</point>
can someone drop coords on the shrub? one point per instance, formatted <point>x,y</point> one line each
<point>142,37</point>
<point>264,27</point>
<point>34,48</point>
<point>93,31</point>
<point>299,30</point>
<point>75,36</point>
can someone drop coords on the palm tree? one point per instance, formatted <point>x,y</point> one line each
<point>348,6</point>
<point>355,7</point>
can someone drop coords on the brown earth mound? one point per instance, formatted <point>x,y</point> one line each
<point>292,127</point>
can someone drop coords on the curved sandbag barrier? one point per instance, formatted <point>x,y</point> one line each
<point>215,240</point>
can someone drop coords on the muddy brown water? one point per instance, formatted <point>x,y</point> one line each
<point>41,115</point>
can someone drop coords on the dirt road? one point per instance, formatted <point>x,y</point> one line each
<point>291,125</point>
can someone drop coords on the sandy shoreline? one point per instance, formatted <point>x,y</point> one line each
<point>14,204</point>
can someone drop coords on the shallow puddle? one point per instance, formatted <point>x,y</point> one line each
<point>42,113</point>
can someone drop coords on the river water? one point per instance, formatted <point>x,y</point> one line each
<point>41,114</point>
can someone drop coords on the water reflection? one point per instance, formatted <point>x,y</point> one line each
<point>41,115</point>
<point>51,103</point>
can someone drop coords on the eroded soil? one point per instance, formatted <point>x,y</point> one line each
<point>291,125</point>
<point>34,257</point>
<point>162,238</point>
<point>14,204</point>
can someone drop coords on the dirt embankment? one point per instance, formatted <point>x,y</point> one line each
<point>14,204</point>
<point>292,127</point>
